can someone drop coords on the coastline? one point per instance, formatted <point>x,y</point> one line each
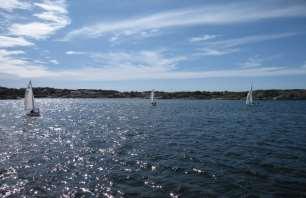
<point>47,92</point>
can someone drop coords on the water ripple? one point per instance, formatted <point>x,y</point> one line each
<point>126,148</point>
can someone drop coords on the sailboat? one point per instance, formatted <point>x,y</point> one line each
<point>29,103</point>
<point>249,98</point>
<point>153,101</point>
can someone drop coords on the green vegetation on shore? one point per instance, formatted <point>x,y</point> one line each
<point>46,92</point>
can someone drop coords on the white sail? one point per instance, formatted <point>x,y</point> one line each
<point>152,96</point>
<point>29,98</point>
<point>249,98</point>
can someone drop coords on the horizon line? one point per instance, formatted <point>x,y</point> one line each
<point>156,90</point>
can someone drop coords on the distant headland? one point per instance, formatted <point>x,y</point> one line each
<point>47,92</point>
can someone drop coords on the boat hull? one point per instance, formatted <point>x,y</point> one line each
<point>34,113</point>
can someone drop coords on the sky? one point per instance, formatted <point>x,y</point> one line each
<point>173,45</point>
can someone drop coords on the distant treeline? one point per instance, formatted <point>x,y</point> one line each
<point>46,92</point>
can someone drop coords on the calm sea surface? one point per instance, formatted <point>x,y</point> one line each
<point>127,148</point>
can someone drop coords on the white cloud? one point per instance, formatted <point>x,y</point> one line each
<point>214,15</point>
<point>130,66</point>
<point>10,5</point>
<point>58,6</point>
<point>35,30</point>
<point>114,38</point>
<point>53,18</point>
<point>57,20</point>
<point>227,46</point>
<point>53,61</point>
<point>75,53</point>
<point>6,53</point>
<point>135,35</point>
<point>252,63</point>
<point>202,38</point>
<point>54,12</point>
<point>228,43</point>
<point>7,41</point>
<point>11,64</point>
<point>250,72</point>
<point>211,51</point>
<point>145,73</point>
<point>146,60</point>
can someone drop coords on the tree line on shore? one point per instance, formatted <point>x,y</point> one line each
<point>47,92</point>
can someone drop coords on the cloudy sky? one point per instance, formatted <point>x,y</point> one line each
<point>166,45</point>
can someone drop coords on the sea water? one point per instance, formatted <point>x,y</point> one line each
<point>128,148</point>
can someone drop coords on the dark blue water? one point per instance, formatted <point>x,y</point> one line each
<point>127,148</point>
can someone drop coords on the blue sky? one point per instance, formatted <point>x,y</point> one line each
<point>154,44</point>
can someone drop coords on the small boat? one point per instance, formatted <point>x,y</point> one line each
<point>29,103</point>
<point>249,98</point>
<point>153,101</point>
